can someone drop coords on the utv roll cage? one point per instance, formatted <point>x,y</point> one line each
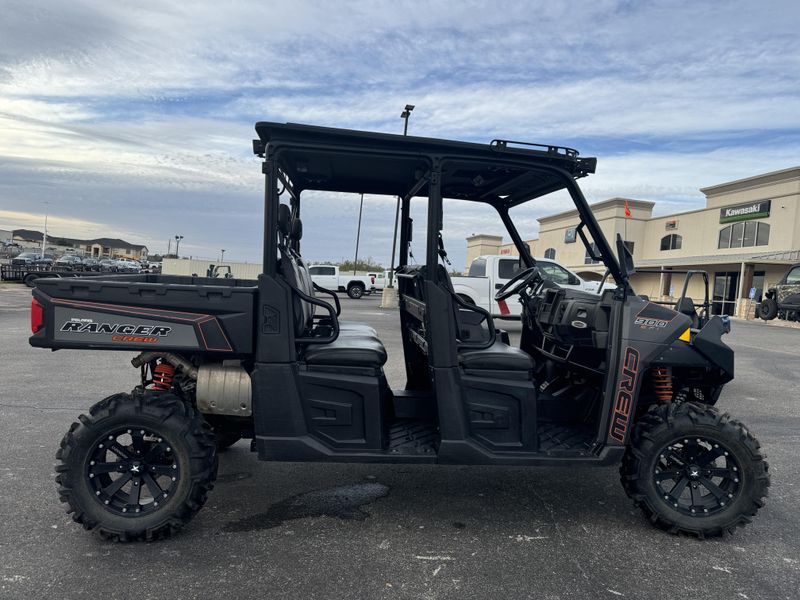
<point>684,304</point>
<point>503,174</point>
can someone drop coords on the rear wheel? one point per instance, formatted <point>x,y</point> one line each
<point>768,309</point>
<point>139,466</point>
<point>30,279</point>
<point>355,290</point>
<point>694,470</point>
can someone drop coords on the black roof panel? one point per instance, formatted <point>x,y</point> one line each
<point>344,160</point>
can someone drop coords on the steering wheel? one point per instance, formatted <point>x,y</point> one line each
<point>518,283</point>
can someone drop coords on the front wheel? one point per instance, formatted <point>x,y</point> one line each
<point>768,309</point>
<point>355,291</point>
<point>138,467</point>
<point>694,470</point>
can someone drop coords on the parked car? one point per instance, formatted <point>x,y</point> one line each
<point>108,265</point>
<point>91,264</point>
<point>487,274</point>
<point>328,277</point>
<point>150,266</point>
<point>783,297</point>
<point>70,261</point>
<point>128,266</point>
<point>29,259</point>
<point>10,250</point>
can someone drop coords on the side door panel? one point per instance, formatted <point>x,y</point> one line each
<point>646,329</point>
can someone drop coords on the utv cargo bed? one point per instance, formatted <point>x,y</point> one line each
<point>129,312</point>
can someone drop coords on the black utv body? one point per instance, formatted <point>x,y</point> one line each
<point>784,298</point>
<point>598,379</point>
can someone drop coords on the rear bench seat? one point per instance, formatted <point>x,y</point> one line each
<point>348,351</point>
<point>351,328</point>
<point>357,344</point>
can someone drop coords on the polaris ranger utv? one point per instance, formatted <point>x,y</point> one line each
<point>598,379</point>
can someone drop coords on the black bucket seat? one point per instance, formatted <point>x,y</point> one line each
<point>319,343</point>
<point>686,306</point>
<point>492,354</point>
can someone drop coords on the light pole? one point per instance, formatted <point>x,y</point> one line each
<point>358,234</point>
<point>221,254</point>
<point>389,297</point>
<point>178,239</point>
<point>44,236</point>
<point>404,115</point>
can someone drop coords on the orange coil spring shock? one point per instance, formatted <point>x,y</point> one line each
<point>662,383</point>
<point>163,374</point>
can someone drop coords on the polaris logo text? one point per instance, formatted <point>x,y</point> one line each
<point>116,328</point>
<point>624,401</point>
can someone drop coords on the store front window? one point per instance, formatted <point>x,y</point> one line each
<point>672,241</point>
<point>724,300</point>
<point>743,235</point>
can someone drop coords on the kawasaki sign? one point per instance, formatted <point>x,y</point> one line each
<point>744,212</point>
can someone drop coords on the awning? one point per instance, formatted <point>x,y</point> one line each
<point>783,257</point>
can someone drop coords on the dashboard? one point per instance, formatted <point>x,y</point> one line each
<point>572,318</point>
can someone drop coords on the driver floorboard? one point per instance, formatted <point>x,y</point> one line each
<point>558,438</point>
<point>412,436</point>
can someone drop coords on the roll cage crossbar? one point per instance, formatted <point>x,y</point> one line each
<point>503,174</point>
<point>705,307</point>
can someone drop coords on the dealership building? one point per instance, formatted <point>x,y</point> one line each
<point>745,238</point>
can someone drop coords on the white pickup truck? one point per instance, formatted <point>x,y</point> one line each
<point>380,279</point>
<point>487,274</point>
<point>329,277</point>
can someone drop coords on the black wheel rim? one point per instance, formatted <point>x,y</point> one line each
<point>133,471</point>
<point>697,476</point>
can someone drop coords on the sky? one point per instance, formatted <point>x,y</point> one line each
<point>135,119</point>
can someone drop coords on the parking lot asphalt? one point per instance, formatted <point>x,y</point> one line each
<point>290,530</point>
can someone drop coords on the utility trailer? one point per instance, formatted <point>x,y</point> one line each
<point>29,274</point>
<point>597,379</point>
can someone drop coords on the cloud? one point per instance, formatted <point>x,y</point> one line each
<point>137,119</point>
<point>66,226</point>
